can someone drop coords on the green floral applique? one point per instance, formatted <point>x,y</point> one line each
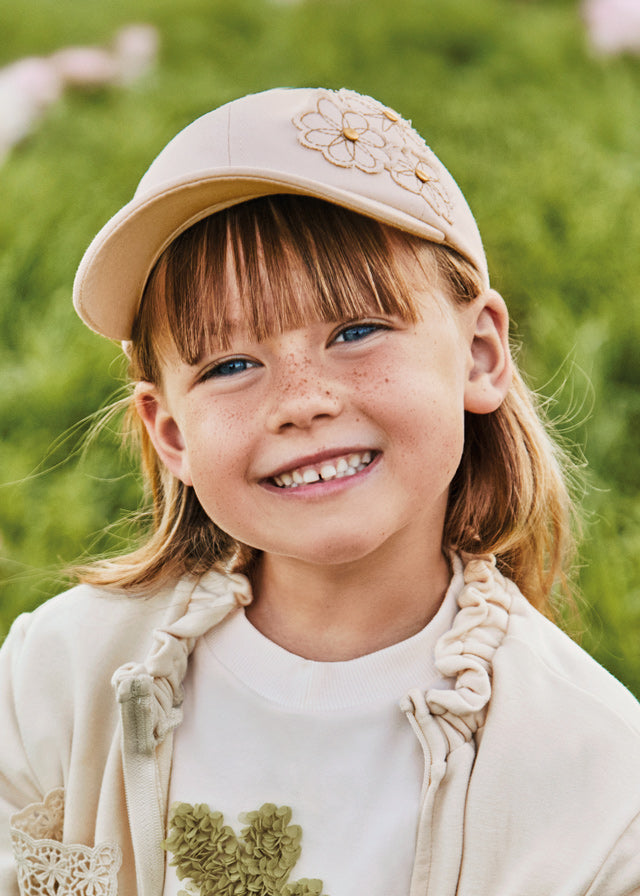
<point>213,861</point>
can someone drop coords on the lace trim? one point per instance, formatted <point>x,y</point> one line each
<point>47,867</point>
<point>43,821</point>
<point>466,651</point>
<point>353,131</point>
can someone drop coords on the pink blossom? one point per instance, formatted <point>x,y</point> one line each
<point>29,86</point>
<point>27,89</point>
<point>613,25</point>
<point>85,66</point>
<point>136,49</point>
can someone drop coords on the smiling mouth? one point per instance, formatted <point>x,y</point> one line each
<point>336,468</point>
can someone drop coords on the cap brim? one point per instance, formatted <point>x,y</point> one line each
<point>117,264</point>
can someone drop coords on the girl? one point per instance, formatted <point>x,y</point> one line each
<point>330,674</point>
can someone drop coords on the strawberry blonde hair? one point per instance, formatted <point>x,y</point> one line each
<point>297,259</point>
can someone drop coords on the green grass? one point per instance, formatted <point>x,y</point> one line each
<point>541,135</point>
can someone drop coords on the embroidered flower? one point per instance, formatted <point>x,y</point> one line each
<point>354,131</point>
<point>343,135</point>
<point>387,121</point>
<point>212,861</point>
<point>416,172</point>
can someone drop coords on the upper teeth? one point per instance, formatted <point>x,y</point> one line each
<point>332,469</point>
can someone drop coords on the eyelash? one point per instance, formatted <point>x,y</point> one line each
<point>368,327</point>
<point>218,370</point>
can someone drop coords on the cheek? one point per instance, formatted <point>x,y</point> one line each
<point>216,453</point>
<point>214,431</point>
<point>218,487</point>
<point>222,448</point>
<point>426,419</point>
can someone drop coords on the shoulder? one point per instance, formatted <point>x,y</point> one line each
<point>558,760</point>
<point>562,672</point>
<point>560,723</point>
<point>56,697</point>
<point>83,635</point>
<point>81,630</point>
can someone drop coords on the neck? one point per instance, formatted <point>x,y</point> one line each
<point>331,613</point>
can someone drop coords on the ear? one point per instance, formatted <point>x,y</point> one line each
<point>163,430</point>
<point>491,369</point>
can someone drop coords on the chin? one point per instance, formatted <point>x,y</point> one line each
<point>337,552</point>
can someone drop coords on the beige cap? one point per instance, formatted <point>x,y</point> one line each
<point>338,146</point>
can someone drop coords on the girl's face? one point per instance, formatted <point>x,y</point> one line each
<point>330,442</point>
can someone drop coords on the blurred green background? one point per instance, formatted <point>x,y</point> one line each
<point>543,136</point>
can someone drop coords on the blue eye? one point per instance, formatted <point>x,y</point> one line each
<point>229,367</point>
<point>356,332</point>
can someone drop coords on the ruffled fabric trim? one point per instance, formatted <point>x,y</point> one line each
<point>153,689</point>
<point>466,651</point>
<point>46,866</point>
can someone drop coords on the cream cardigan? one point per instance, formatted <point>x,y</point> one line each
<point>532,760</point>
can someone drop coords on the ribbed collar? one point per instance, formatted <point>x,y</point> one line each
<point>382,677</point>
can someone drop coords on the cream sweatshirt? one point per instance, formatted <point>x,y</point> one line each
<point>531,779</point>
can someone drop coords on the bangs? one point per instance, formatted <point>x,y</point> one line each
<point>270,265</point>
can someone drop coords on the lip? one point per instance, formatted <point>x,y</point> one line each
<point>312,460</point>
<point>322,487</point>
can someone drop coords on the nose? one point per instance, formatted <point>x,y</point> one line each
<point>302,396</point>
